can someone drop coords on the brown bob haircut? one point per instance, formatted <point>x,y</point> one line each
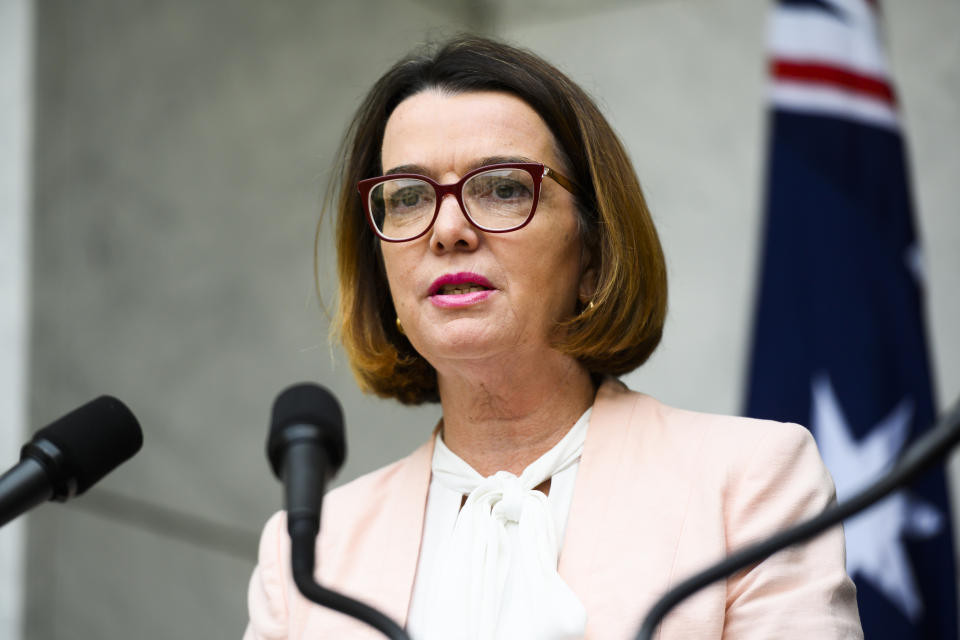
<point>624,325</point>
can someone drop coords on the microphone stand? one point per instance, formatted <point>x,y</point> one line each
<point>302,554</point>
<point>303,537</point>
<point>928,449</point>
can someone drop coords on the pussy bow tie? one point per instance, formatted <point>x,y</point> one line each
<point>497,575</point>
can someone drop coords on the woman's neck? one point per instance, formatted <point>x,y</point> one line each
<point>503,417</point>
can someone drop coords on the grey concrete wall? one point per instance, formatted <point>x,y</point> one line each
<point>181,151</point>
<point>16,53</point>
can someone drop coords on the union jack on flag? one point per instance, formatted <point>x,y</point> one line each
<point>839,342</point>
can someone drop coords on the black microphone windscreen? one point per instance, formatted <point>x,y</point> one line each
<point>94,438</point>
<point>307,404</point>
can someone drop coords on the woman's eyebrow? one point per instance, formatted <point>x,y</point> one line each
<point>499,160</point>
<point>407,168</point>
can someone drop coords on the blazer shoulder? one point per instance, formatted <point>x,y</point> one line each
<point>730,444</point>
<point>734,435</point>
<point>749,442</point>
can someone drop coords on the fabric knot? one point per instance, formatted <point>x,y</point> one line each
<point>510,506</point>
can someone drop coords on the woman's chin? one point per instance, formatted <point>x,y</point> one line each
<point>466,341</point>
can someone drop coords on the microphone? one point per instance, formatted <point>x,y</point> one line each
<point>932,446</point>
<point>69,456</point>
<point>306,447</point>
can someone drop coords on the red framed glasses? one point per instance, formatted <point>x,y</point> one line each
<point>496,198</point>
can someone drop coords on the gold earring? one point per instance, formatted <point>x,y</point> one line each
<point>587,309</point>
<point>400,327</point>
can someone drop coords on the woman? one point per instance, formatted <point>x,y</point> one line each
<point>496,255</point>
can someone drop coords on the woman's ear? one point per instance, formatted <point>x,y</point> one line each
<point>588,277</point>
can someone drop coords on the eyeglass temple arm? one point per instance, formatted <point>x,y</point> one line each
<point>560,180</point>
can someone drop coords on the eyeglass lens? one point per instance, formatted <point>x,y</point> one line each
<point>499,199</point>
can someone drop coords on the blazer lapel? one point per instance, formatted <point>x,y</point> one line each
<point>592,498</point>
<point>399,530</point>
<point>627,515</point>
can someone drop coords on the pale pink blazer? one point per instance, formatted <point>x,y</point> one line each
<point>660,493</point>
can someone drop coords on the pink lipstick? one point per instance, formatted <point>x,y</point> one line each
<point>459,289</point>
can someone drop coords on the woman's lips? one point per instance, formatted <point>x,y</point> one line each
<point>460,299</point>
<point>460,289</point>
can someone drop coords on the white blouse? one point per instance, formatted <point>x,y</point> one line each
<point>489,570</point>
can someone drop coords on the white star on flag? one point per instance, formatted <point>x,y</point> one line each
<point>875,547</point>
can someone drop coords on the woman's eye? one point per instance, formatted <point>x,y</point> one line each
<point>507,190</point>
<point>408,198</point>
<point>500,189</point>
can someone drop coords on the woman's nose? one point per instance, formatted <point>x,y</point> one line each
<point>452,230</point>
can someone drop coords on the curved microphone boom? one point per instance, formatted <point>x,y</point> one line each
<point>306,447</point>
<point>69,456</point>
<point>934,445</point>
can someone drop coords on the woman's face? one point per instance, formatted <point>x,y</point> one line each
<point>499,294</point>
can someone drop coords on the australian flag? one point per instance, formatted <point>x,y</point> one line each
<point>839,338</point>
